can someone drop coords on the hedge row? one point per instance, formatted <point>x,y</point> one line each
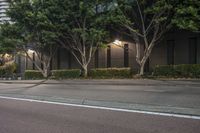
<point>110,73</point>
<point>33,74</point>
<point>65,74</point>
<point>184,70</point>
<point>75,73</point>
<point>8,69</point>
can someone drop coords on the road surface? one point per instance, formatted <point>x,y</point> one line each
<point>33,117</point>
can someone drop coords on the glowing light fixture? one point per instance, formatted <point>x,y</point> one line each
<point>6,55</point>
<point>30,51</point>
<point>117,42</point>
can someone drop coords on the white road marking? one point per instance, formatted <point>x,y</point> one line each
<point>104,108</point>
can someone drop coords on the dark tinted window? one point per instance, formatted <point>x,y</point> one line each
<point>126,55</point>
<point>97,59</point>
<point>34,61</point>
<point>170,52</point>
<point>193,50</point>
<point>109,56</point>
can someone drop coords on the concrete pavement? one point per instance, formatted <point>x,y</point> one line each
<point>180,97</point>
<point>142,82</point>
<point>32,117</point>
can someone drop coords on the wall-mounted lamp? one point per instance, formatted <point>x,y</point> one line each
<point>117,42</point>
<point>30,51</point>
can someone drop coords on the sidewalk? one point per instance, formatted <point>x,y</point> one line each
<point>169,96</point>
<point>134,82</point>
<point>111,104</point>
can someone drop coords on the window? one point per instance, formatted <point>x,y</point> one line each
<point>58,59</point>
<point>33,60</point>
<point>193,50</point>
<point>109,56</point>
<point>97,59</point>
<point>26,62</point>
<point>126,55</point>
<point>170,52</point>
<point>42,60</point>
<point>69,60</point>
<point>51,64</point>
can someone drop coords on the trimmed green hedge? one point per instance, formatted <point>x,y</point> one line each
<point>66,74</point>
<point>33,74</point>
<point>8,69</point>
<point>184,70</point>
<point>110,73</point>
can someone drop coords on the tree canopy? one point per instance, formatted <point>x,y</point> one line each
<point>82,26</point>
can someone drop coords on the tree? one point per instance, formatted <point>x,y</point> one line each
<point>6,47</point>
<point>31,29</point>
<point>77,25</point>
<point>82,27</point>
<point>146,21</point>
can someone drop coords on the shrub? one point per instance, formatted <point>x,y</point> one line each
<point>184,70</point>
<point>33,74</point>
<point>110,73</point>
<point>8,69</point>
<point>2,71</point>
<point>65,74</point>
<point>165,70</point>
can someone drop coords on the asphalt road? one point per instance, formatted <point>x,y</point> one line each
<point>33,117</point>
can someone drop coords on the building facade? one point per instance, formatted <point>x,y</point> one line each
<point>4,5</point>
<point>178,47</point>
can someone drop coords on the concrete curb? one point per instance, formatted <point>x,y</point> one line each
<point>117,105</point>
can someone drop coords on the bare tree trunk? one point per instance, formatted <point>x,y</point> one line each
<point>84,72</point>
<point>45,71</point>
<point>142,69</point>
<point>138,49</point>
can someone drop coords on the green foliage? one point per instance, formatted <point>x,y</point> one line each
<point>80,22</point>
<point>33,19</point>
<point>184,14</point>
<point>187,14</point>
<point>6,44</point>
<point>33,74</point>
<point>30,26</point>
<point>165,70</point>
<point>8,69</point>
<point>66,74</point>
<point>184,70</point>
<point>110,73</point>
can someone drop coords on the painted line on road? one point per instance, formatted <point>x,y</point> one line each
<point>104,108</point>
